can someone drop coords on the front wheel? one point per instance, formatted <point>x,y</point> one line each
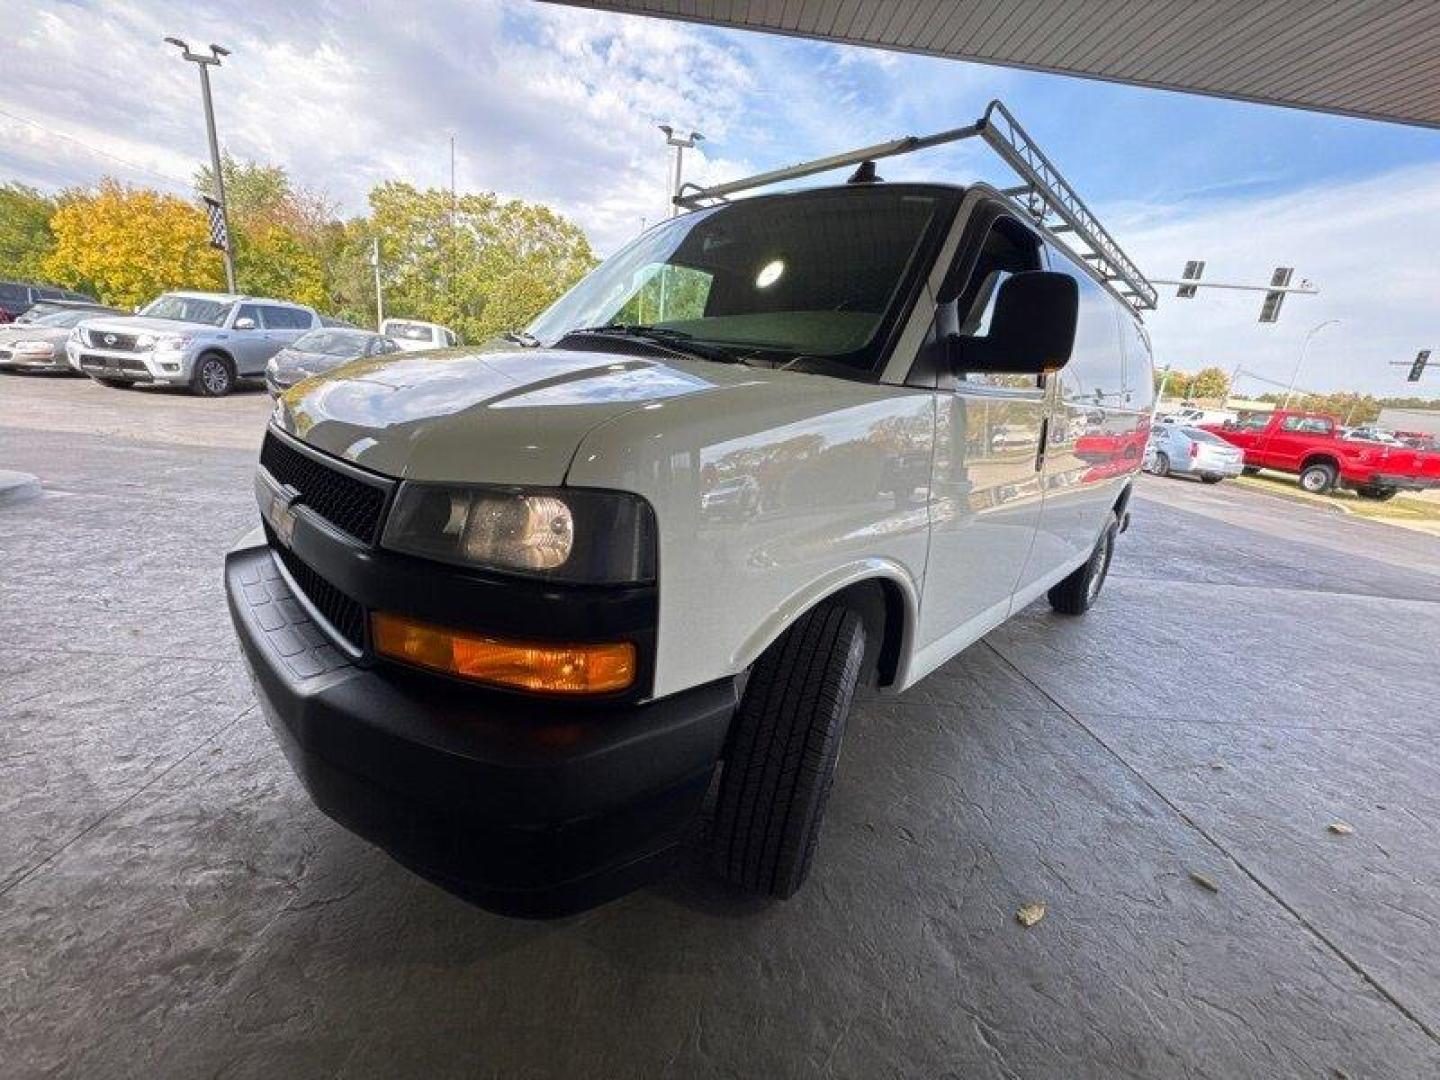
<point>1318,479</point>
<point>214,376</point>
<point>1162,464</point>
<point>1078,592</point>
<point>786,740</point>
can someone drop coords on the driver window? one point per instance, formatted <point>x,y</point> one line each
<point>1009,249</point>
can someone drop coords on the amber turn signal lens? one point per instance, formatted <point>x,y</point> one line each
<point>524,665</point>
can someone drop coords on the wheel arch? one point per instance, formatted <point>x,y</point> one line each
<point>881,592</point>
<point>1321,457</point>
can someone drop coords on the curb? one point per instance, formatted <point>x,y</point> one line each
<point>17,487</point>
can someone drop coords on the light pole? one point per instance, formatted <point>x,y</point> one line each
<point>681,143</point>
<point>1299,363</point>
<point>204,63</point>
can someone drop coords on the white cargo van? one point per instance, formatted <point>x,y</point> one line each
<point>512,612</point>
<point>412,335</point>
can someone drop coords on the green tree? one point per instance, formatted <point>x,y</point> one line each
<point>130,244</point>
<point>480,264</point>
<point>25,236</point>
<point>1209,383</point>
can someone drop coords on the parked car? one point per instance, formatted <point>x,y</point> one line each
<point>320,351</point>
<point>412,335</point>
<point>528,644</point>
<point>41,308</point>
<point>1194,416</point>
<point>39,345</point>
<point>1309,445</point>
<point>1192,451</point>
<point>205,341</point>
<point>17,297</point>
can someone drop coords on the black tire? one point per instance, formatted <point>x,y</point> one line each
<point>1318,479</point>
<point>1376,494</point>
<point>1078,592</point>
<point>1211,479</point>
<point>1250,470</point>
<point>214,376</point>
<point>1162,463</point>
<point>784,745</point>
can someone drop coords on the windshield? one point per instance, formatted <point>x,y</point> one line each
<point>407,331</point>
<point>332,342</point>
<point>193,309</point>
<point>62,318</point>
<point>818,274</point>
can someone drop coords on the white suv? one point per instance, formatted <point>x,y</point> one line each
<point>511,611</point>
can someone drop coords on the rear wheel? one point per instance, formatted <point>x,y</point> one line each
<point>786,740</point>
<point>1078,592</point>
<point>1318,478</point>
<point>214,376</point>
<point>1162,463</point>
<point>1250,470</point>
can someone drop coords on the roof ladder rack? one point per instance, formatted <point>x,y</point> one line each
<point>1043,188</point>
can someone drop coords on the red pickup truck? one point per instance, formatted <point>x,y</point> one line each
<point>1309,445</point>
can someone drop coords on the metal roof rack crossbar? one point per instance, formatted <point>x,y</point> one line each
<point>1044,189</point>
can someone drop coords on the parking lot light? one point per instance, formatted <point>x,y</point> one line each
<point>204,62</point>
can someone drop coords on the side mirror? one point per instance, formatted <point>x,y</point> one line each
<point>1032,329</point>
<point>245,324</point>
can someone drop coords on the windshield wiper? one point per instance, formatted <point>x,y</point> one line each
<point>666,337</point>
<point>522,338</point>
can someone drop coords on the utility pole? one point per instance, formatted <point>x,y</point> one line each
<point>681,144</point>
<point>379,296</point>
<point>1304,348</point>
<point>205,63</point>
<point>451,289</point>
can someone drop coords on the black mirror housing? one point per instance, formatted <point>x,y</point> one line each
<point>1032,329</point>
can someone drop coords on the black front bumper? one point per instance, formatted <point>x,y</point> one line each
<point>525,807</point>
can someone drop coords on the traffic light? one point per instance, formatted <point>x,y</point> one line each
<point>1270,308</point>
<point>1193,270</point>
<point>1418,367</point>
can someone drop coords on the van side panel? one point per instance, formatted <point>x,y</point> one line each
<point>769,495</point>
<point>1099,423</point>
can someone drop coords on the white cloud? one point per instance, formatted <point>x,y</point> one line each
<point>1369,245</point>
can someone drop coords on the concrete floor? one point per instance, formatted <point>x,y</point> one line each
<point>172,905</point>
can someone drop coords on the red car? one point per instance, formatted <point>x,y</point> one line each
<point>1309,445</point>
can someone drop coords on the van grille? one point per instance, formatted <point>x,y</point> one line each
<point>352,505</point>
<point>347,616</point>
<point>108,339</point>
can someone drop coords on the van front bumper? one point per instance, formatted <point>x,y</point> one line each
<point>524,807</point>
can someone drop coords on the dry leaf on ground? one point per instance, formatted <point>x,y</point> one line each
<point>1030,914</point>
<point>1203,881</point>
<point>1341,828</point>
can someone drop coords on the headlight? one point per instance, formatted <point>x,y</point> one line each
<point>75,335</point>
<point>165,341</point>
<point>598,537</point>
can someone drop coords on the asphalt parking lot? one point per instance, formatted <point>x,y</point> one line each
<point>172,905</point>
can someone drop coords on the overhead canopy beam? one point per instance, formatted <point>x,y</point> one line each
<point>1376,59</point>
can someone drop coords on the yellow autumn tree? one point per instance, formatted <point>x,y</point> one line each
<point>131,244</point>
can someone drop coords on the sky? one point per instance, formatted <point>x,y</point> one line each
<point>560,105</point>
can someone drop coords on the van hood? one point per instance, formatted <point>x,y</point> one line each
<point>464,416</point>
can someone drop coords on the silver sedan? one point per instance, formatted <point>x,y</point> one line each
<point>1174,449</point>
<point>40,345</point>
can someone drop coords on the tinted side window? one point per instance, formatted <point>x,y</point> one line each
<point>251,312</point>
<point>284,318</point>
<point>1139,367</point>
<point>1096,372</point>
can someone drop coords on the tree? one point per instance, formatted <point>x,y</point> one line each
<point>1210,382</point>
<point>130,244</point>
<point>25,237</point>
<point>480,265</point>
